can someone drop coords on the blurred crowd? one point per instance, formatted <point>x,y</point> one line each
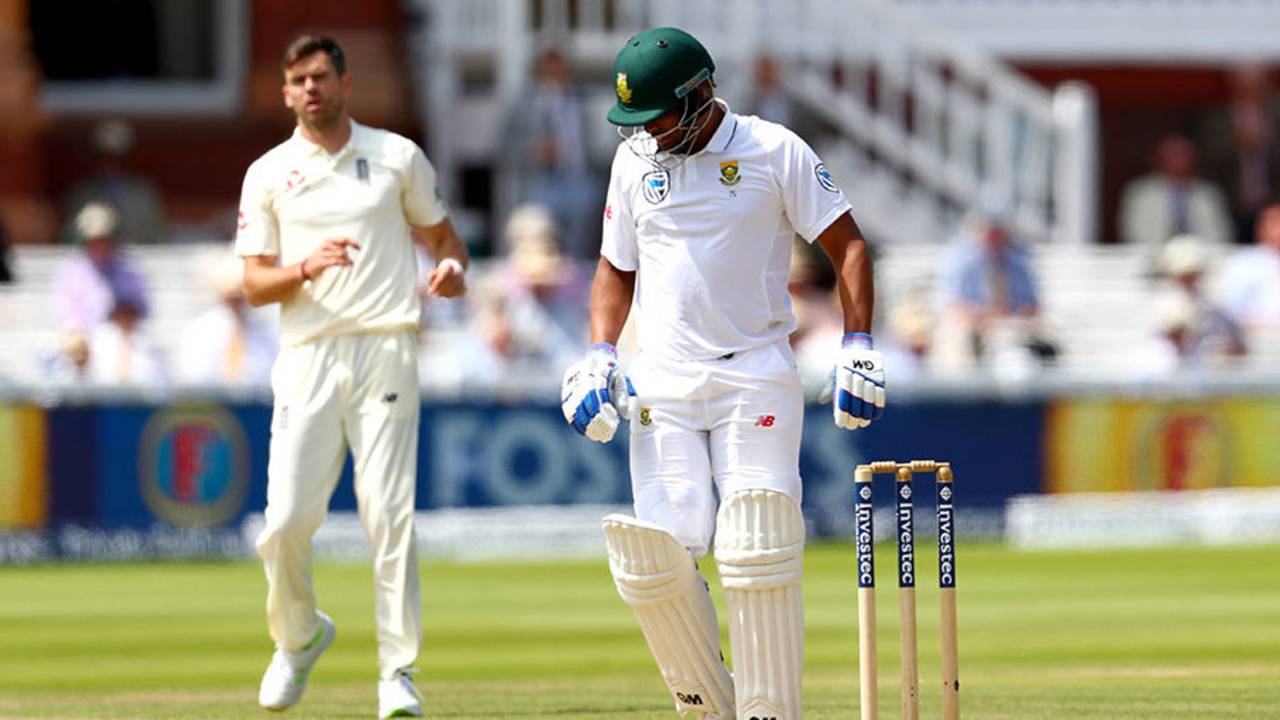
<point>1209,232</point>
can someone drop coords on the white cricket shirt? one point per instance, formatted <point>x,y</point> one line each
<point>711,240</point>
<point>297,195</point>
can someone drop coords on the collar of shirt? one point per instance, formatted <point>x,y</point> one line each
<point>723,135</point>
<point>311,150</point>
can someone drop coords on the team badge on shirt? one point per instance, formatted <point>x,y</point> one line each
<point>646,418</point>
<point>824,178</point>
<point>729,173</point>
<point>656,186</point>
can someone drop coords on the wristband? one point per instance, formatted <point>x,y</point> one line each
<point>454,262</point>
<point>603,347</point>
<point>302,270</point>
<point>859,339</point>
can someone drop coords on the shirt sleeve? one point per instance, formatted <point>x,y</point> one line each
<point>619,243</point>
<point>421,197</point>
<point>810,196</point>
<point>257,232</point>
<point>1022,281</point>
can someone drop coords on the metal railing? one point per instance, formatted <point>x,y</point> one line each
<point>931,125</point>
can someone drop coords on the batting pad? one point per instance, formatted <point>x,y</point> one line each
<point>657,577</point>
<point>760,552</point>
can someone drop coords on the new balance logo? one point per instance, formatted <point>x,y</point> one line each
<point>689,699</point>
<point>765,421</point>
<point>389,397</point>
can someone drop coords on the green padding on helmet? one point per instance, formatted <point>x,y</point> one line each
<point>654,71</point>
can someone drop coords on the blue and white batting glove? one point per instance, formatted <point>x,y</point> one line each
<point>857,383</point>
<point>592,393</point>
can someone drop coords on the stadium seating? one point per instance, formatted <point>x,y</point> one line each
<point>1095,301</point>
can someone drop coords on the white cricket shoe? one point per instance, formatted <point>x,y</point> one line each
<point>398,697</point>
<point>286,676</point>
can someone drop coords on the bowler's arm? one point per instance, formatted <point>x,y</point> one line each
<point>611,294</point>
<point>266,281</point>
<point>842,241</point>
<point>442,241</point>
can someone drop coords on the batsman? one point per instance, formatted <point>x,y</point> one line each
<point>702,208</point>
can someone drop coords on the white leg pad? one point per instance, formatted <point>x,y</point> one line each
<point>760,552</point>
<point>657,578</point>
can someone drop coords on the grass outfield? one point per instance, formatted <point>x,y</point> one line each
<point>1185,633</point>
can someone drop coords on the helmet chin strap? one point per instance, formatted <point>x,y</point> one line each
<point>648,147</point>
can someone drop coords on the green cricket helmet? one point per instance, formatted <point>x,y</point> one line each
<point>654,71</point>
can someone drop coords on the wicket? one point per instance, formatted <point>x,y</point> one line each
<point>905,539</point>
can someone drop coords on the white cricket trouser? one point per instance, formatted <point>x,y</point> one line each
<point>356,391</point>
<point>735,421</point>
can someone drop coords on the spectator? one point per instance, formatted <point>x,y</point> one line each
<point>64,357</point>
<point>1250,282</point>
<point>546,136</point>
<point>527,316</point>
<point>988,292</point>
<point>1241,145</point>
<point>87,285</point>
<point>6,275</point>
<point>491,355</point>
<point>1208,335</point>
<point>230,343</point>
<point>1167,350</point>
<point>819,326</point>
<point>769,99</point>
<point>134,198</point>
<point>547,291</point>
<point>907,346</point>
<point>1173,201</point>
<point>488,357</point>
<point>120,353</point>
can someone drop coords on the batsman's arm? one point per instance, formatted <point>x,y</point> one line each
<point>842,241</point>
<point>611,294</point>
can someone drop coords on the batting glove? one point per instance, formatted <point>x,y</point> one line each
<point>857,383</point>
<point>593,393</point>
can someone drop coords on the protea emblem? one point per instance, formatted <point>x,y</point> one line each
<point>729,173</point>
<point>624,91</point>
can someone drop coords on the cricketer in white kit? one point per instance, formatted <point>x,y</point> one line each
<point>702,209</point>
<point>326,228</point>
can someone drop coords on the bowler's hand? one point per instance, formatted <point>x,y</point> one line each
<point>857,383</point>
<point>447,279</point>
<point>332,252</point>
